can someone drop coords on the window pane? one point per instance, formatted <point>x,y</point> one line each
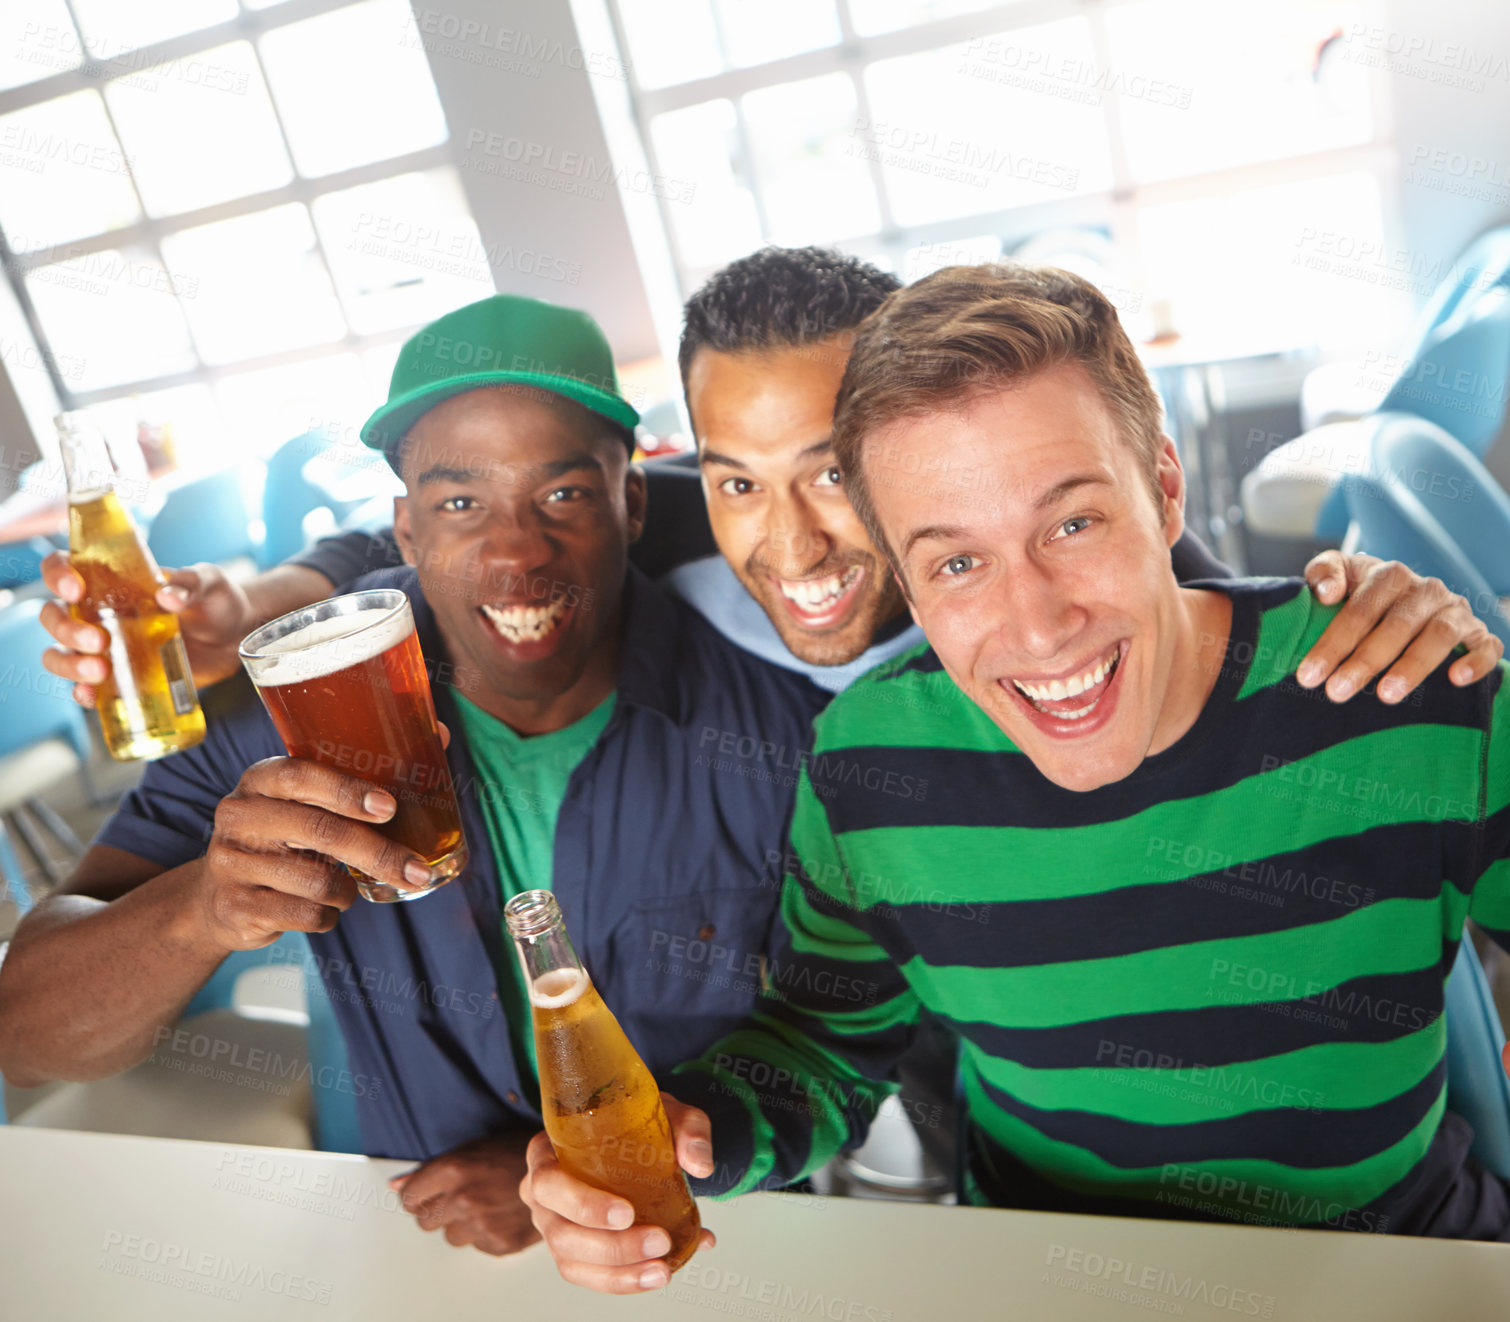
<point>816,187</point>
<point>701,143</point>
<point>871,16</point>
<point>1300,280</point>
<point>405,250</point>
<point>774,29</point>
<point>258,285</point>
<point>36,41</point>
<point>111,318</point>
<point>670,41</point>
<point>210,109</point>
<point>353,86</point>
<point>959,131</point>
<point>62,173</point>
<point>112,27</point>
<point>1265,98</point>
<point>268,407</point>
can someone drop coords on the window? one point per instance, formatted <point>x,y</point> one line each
<point>1188,139</point>
<point>228,227</point>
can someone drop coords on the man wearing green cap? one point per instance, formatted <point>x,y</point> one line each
<point>599,734</point>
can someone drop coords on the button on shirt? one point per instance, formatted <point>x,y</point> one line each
<point>673,821</point>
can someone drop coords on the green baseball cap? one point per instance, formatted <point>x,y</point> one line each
<point>495,341</point>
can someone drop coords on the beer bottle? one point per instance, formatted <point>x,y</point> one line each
<point>602,1108</point>
<point>147,704</point>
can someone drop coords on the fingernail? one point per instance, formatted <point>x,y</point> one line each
<point>1340,688</point>
<point>378,804</point>
<point>177,593</point>
<point>416,872</point>
<point>621,1216</point>
<point>657,1243</point>
<point>95,671</point>
<point>1309,673</point>
<point>652,1278</point>
<point>1392,690</point>
<point>700,1152</point>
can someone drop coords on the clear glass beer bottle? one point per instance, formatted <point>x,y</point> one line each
<point>602,1108</point>
<point>147,704</point>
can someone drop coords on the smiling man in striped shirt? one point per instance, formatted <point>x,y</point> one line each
<point>1190,922</point>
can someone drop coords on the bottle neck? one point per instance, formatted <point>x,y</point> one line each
<point>86,458</point>
<point>552,971</point>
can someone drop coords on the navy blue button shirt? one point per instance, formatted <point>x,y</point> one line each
<point>667,867</point>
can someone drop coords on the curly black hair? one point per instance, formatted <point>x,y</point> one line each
<point>781,297</point>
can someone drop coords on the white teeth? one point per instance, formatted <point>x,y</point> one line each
<point>1056,690</point>
<point>525,624</point>
<point>815,593</point>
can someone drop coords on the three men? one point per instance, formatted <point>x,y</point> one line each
<point>1219,911</point>
<point>762,358</point>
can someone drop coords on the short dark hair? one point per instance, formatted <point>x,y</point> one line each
<point>781,298</point>
<point>967,329</point>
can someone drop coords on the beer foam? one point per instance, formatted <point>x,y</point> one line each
<point>558,988</point>
<point>326,646</point>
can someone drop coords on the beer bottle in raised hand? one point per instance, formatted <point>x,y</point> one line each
<point>602,1108</point>
<point>147,704</point>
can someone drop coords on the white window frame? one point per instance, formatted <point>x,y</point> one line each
<point>1116,208</point>
<point>148,233</point>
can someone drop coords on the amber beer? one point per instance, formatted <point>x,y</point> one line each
<point>147,703</point>
<point>602,1108</point>
<point>345,684</point>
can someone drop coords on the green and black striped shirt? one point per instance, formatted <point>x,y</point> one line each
<point>1215,985</point>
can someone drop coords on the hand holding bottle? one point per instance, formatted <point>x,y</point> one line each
<point>614,1153</point>
<point>590,1233</point>
<point>214,615</point>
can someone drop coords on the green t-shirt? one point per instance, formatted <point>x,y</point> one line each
<point>521,781</point>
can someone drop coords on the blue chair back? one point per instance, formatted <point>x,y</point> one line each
<point>289,497</point>
<point>21,562</point>
<point>1453,487</point>
<point>1398,522</point>
<point>34,704</point>
<point>1477,1087</point>
<point>1483,265</point>
<point>1457,378</point>
<point>203,520</point>
<point>335,1116</point>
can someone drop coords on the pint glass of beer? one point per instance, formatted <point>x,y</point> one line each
<point>346,687</point>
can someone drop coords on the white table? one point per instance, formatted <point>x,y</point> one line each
<point>109,1228</point>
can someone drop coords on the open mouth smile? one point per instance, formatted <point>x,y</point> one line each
<point>524,623</point>
<point>1075,703</point>
<point>819,602</point>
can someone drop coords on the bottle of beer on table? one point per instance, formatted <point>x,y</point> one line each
<point>602,1108</point>
<point>147,704</point>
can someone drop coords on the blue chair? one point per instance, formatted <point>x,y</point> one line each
<point>206,519</point>
<point>1429,503</point>
<point>335,1117</point>
<point>289,497</point>
<point>1455,379</point>
<point>21,562</point>
<point>1477,1086</point>
<point>43,736</point>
